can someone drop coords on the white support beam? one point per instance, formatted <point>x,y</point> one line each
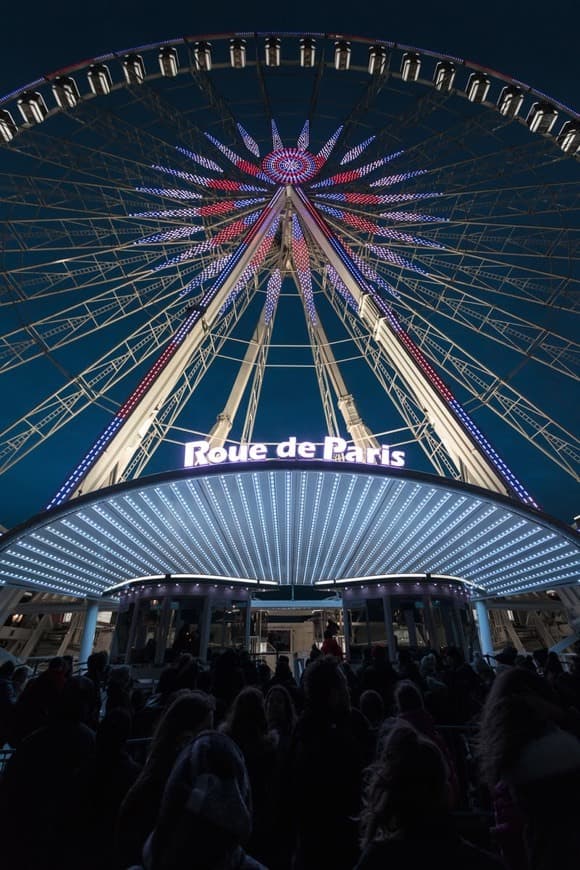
<point>357,429</point>
<point>9,600</point>
<point>89,629</point>
<point>463,450</point>
<point>484,628</point>
<point>74,626</point>
<point>43,625</point>
<point>258,343</point>
<point>109,467</point>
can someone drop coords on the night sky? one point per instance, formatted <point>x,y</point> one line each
<point>535,42</point>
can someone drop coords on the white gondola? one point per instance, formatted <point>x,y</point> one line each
<point>342,54</point>
<point>65,92</point>
<point>202,55</point>
<point>272,51</point>
<point>477,87</point>
<point>238,53</point>
<point>168,61</point>
<point>8,128</point>
<point>569,137</point>
<point>444,75</point>
<point>133,69</point>
<point>32,107</point>
<point>378,58</point>
<point>307,51</point>
<point>541,117</point>
<point>510,101</point>
<point>410,66</point>
<point>100,81</point>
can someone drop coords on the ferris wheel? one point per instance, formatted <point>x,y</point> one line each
<point>242,236</point>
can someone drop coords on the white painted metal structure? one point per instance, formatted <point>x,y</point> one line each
<point>304,220</point>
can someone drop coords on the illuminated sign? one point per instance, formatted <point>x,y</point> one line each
<point>202,453</point>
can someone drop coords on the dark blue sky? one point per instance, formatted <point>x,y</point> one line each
<point>535,42</point>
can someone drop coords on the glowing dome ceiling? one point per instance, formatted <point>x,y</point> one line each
<point>290,522</point>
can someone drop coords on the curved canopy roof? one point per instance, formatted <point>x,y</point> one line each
<point>289,522</point>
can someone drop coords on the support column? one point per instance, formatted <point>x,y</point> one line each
<point>248,626</point>
<point>88,635</point>
<point>162,630</point>
<point>346,630</point>
<point>205,628</point>
<point>429,622</point>
<point>462,642</point>
<point>484,628</point>
<point>9,600</point>
<point>409,616</point>
<point>450,633</point>
<point>388,616</point>
<point>132,631</point>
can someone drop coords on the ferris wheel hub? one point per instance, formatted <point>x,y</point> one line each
<point>290,166</point>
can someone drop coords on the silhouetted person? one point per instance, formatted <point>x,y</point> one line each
<point>330,645</point>
<point>329,750</point>
<point>206,815</point>
<point>530,762</point>
<point>406,820</point>
<point>186,716</point>
<point>39,780</point>
<point>38,701</point>
<point>99,789</point>
<point>378,674</point>
<point>247,725</point>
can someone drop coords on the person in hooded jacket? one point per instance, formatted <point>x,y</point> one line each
<point>206,811</point>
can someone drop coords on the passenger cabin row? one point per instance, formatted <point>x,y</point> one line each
<point>541,117</point>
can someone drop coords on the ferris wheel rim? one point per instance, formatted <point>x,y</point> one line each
<point>188,42</point>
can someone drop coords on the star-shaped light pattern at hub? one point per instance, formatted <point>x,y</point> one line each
<point>355,152</point>
<point>290,166</point>
<point>304,138</point>
<point>248,141</point>
<point>346,203</point>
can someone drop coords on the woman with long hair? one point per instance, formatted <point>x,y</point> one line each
<point>187,715</point>
<point>406,816</point>
<point>247,725</point>
<point>529,757</point>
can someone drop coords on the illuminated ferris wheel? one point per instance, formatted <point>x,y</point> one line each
<point>239,236</point>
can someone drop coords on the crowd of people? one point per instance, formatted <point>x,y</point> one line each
<point>230,767</point>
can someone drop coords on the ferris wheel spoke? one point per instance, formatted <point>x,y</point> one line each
<point>134,259</point>
<point>544,291</point>
<point>548,289</point>
<point>533,341</point>
<point>541,430</point>
<point>192,375</point>
<point>474,171</point>
<point>188,133</point>
<point>89,387</point>
<point>473,312</point>
<point>393,385</point>
<point>426,147</point>
<point>44,336</point>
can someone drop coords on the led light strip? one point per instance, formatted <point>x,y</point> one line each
<point>264,221</point>
<point>461,416</point>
